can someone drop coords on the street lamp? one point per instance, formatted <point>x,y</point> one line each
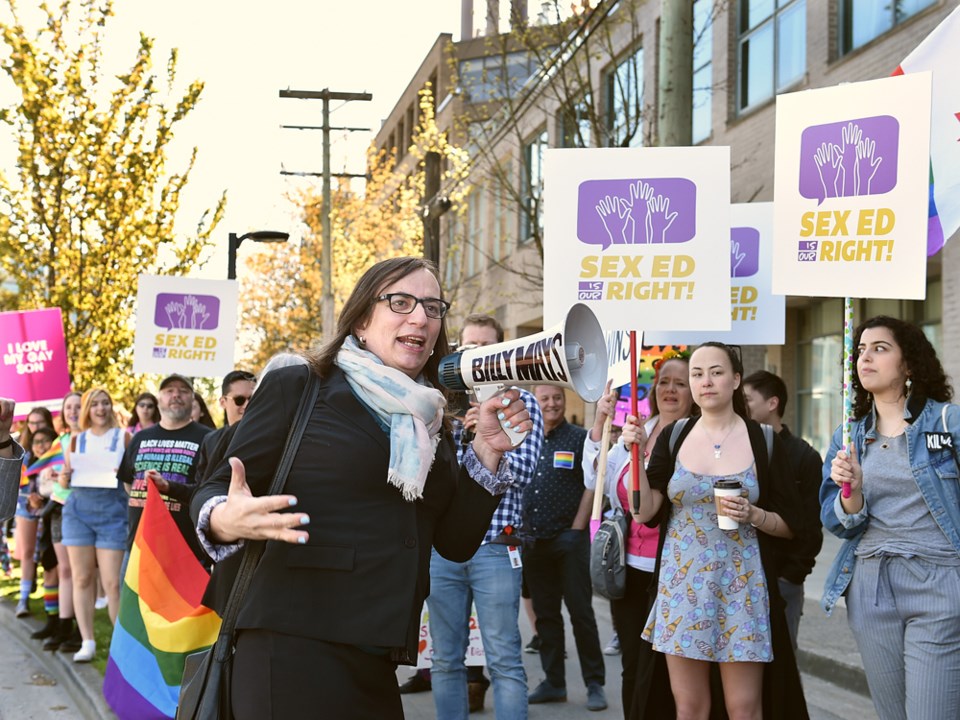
<point>257,236</point>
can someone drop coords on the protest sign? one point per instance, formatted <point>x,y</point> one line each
<point>851,189</point>
<point>637,234</point>
<point>185,325</point>
<point>474,655</point>
<point>34,370</point>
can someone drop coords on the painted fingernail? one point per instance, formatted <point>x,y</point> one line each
<point>506,401</point>
<point>292,502</point>
<point>507,424</point>
<point>304,519</point>
<point>500,416</point>
<point>302,540</point>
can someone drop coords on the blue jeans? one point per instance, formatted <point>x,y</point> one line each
<point>487,580</point>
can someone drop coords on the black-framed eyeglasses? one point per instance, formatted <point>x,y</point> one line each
<point>239,400</point>
<point>404,304</point>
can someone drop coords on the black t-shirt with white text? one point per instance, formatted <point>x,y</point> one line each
<point>172,453</point>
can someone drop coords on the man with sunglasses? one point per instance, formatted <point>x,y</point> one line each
<point>237,389</point>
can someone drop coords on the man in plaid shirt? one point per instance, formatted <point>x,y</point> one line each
<point>11,459</point>
<point>491,580</point>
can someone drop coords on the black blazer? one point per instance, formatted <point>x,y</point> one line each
<point>362,577</point>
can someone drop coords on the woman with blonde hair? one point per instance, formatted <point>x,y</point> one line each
<point>95,516</point>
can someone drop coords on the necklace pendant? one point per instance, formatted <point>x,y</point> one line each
<point>717,451</point>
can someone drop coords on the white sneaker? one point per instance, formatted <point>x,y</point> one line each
<point>86,652</point>
<point>613,648</point>
<point>101,603</point>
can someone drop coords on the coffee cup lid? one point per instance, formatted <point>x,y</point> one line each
<point>727,484</point>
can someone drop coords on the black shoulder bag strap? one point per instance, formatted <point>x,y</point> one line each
<point>253,550</point>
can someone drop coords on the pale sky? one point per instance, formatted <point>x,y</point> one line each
<point>246,52</point>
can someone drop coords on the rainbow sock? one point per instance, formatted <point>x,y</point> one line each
<point>51,599</point>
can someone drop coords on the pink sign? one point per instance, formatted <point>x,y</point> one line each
<point>34,369</point>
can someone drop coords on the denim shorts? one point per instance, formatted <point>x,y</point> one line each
<point>22,510</point>
<point>96,517</point>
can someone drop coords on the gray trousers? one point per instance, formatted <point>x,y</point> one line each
<point>905,616</point>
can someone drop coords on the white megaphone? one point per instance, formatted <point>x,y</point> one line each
<point>572,354</point>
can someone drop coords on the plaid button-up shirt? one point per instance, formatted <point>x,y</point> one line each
<point>522,461</point>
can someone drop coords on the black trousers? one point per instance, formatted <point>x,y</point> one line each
<point>281,676</point>
<point>558,570</point>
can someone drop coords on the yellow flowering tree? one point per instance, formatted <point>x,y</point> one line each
<point>89,202</point>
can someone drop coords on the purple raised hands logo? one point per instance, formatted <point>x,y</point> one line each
<point>636,211</point>
<point>744,251</point>
<point>179,311</point>
<point>849,158</point>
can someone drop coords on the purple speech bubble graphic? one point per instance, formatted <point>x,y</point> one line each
<point>744,252</point>
<point>849,158</point>
<point>636,211</point>
<point>179,311</point>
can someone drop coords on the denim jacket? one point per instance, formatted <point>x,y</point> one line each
<point>935,472</point>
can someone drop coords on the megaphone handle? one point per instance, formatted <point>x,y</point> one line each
<point>598,491</point>
<point>484,393</point>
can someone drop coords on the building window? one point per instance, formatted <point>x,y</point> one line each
<point>532,210</point>
<point>772,48</point>
<point>495,77</point>
<point>623,93</point>
<point>702,69</point>
<point>575,124</point>
<point>861,22</point>
<point>453,255</point>
<point>474,250</point>
<point>499,221</point>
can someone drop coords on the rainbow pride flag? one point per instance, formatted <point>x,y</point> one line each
<point>940,53</point>
<point>161,619</point>
<point>53,456</point>
<point>24,478</point>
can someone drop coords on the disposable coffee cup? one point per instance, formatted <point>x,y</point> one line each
<point>725,488</point>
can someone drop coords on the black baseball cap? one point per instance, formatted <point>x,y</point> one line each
<point>171,378</point>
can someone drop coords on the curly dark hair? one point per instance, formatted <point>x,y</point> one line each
<point>739,399</point>
<point>923,366</point>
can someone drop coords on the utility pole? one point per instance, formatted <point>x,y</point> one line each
<point>326,254</point>
<point>675,117</point>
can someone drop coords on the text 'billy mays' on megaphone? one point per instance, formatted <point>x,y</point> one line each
<point>572,354</point>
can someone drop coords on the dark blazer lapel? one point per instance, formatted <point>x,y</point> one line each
<point>340,398</point>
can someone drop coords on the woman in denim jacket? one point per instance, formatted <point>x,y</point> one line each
<point>900,563</point>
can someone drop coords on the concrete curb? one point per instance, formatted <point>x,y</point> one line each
<point>827,649</point>
<point>81,681</point>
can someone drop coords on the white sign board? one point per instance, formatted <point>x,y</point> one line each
<point>638,235</point>
<point>474,655</point>
<point>852,181</point>
<point>757,315</point>
<point>185,325</point>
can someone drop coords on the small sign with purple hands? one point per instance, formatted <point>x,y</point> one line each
<point>646,211</point>
<point>744,252</point>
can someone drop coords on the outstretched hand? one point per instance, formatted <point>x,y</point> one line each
<point>255,518</point>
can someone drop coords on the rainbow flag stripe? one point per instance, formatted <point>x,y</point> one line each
<point>53,456</point>
<point>24,478</point>
<point>161,619</point>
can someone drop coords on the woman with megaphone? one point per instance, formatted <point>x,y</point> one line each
<point>721,491</point>
<point>334,604</point>
<point>670,400</point>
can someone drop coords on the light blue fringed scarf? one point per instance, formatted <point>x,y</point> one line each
<point>412,409</point>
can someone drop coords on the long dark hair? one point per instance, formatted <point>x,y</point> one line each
<point>739,399</point>
<point>923,366</point>
<point>26,435</point>
<point>359,307</point>
<point>135,417</point>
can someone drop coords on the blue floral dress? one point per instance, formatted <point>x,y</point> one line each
<point>711,599</point>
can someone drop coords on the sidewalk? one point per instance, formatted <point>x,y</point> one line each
<point>79,684</point>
